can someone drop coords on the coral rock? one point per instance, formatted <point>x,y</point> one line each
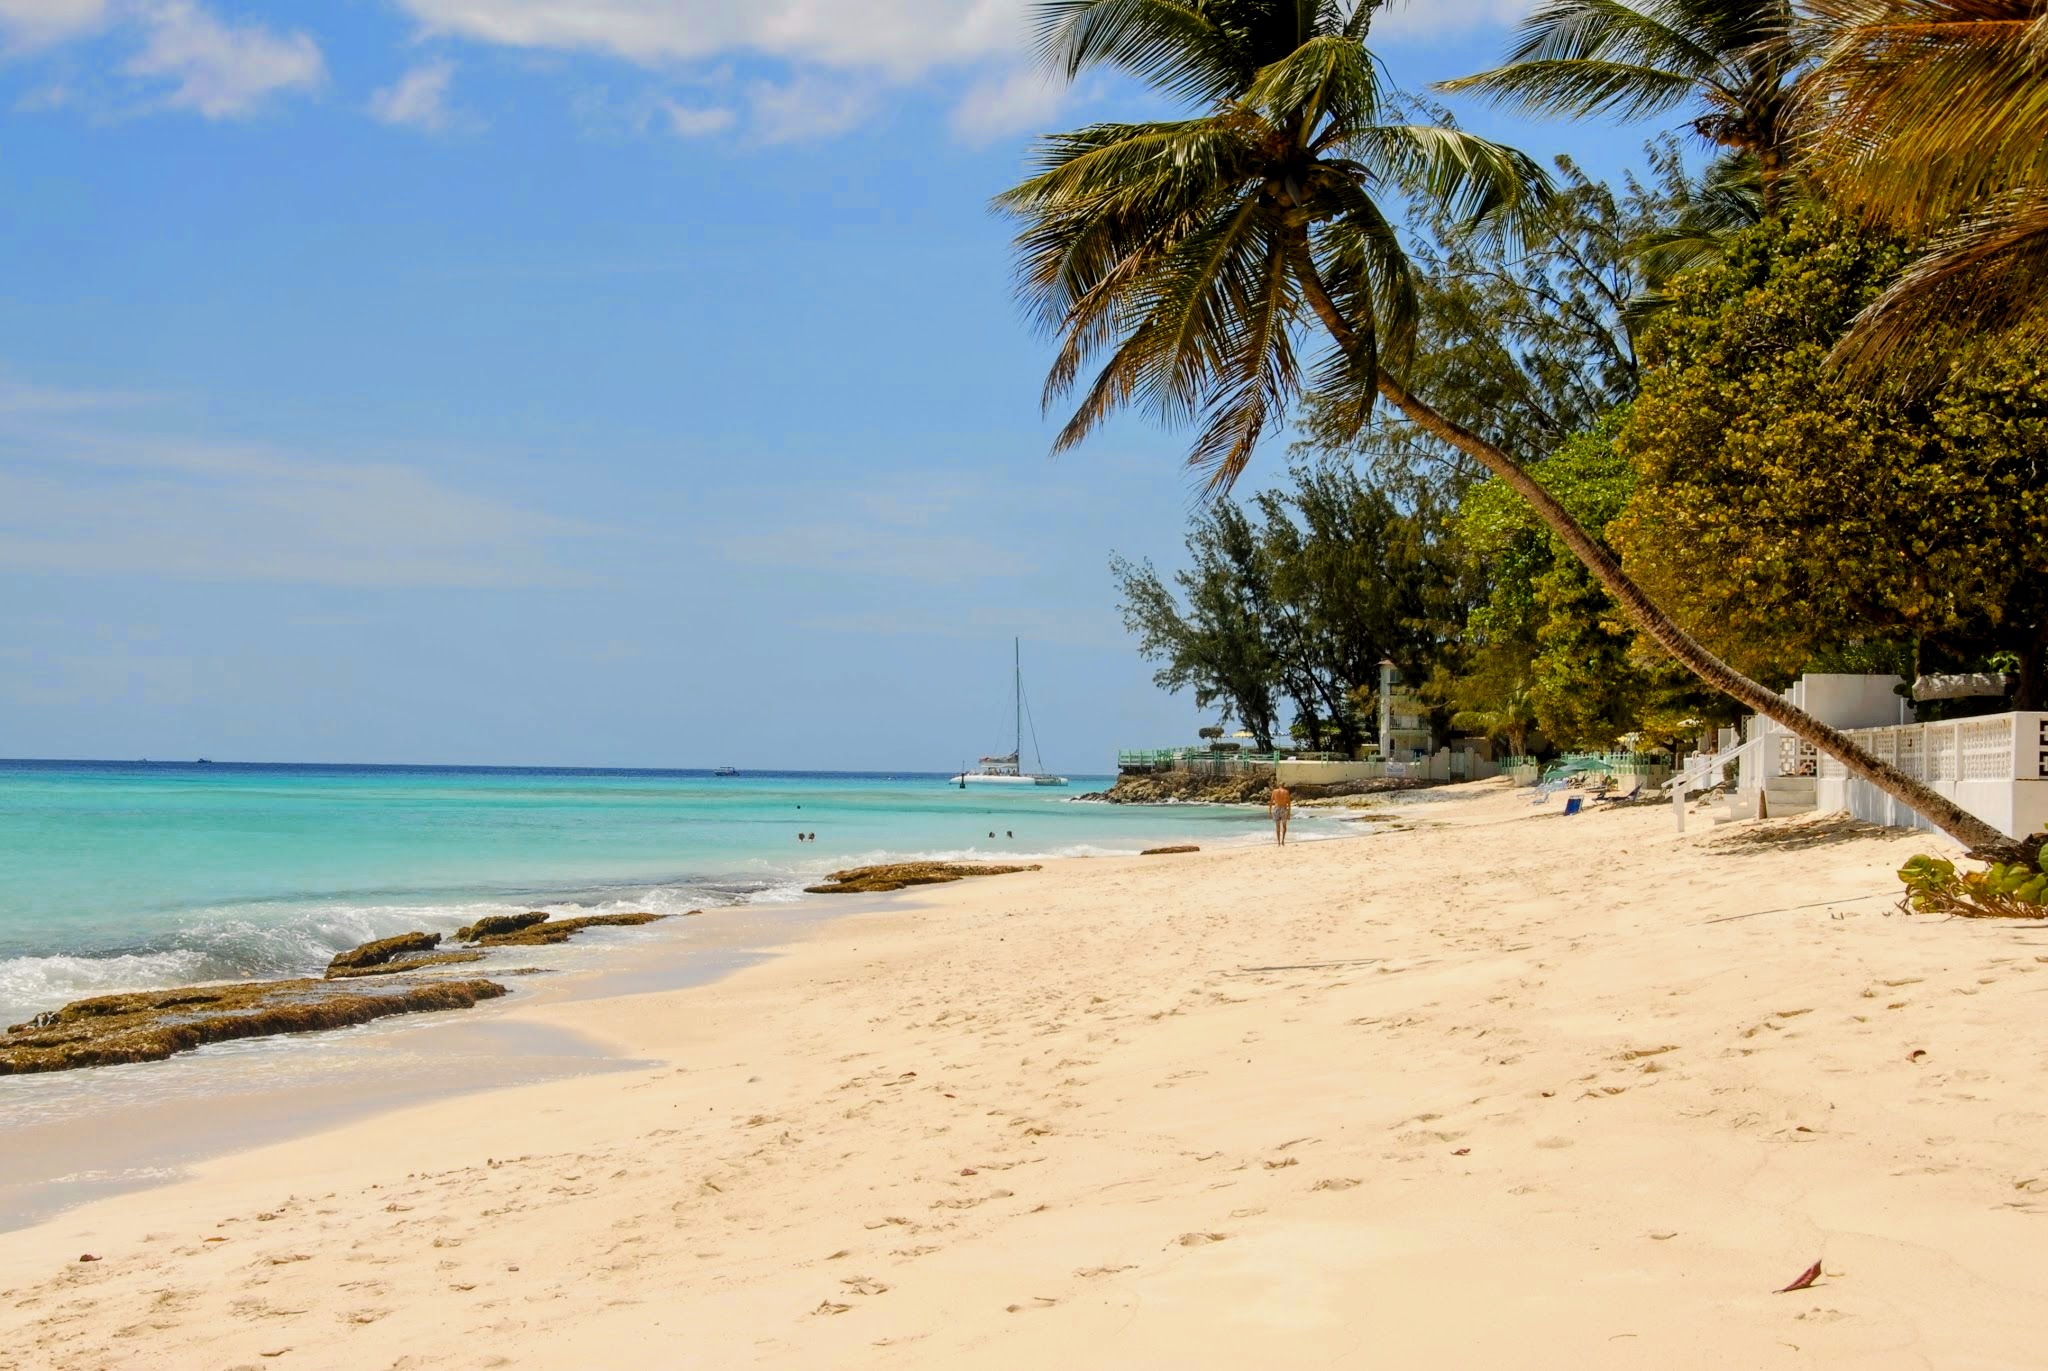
<point>152,1025</point>
<point>497,924</point>
<point>864,880</point>
<point>345,973</point>
<point>561,930</point>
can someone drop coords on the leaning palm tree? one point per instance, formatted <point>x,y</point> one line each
<point>1733,61</point>
<point>1931,117</point>
<point>1194,252</point>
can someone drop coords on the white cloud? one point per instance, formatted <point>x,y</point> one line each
<point>1006,103</point>
<point>841,55</point>
<point>1417,19</point>
<point>806,107</point>
<point>687,122</point>
<point>418,99</point>
<point>902,38</point>
<point>38,23</point>
<point>221,70</point>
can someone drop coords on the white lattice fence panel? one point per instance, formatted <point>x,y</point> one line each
<point>1912,758</point>
<point>1941,748</point>
<point>1987,748</point>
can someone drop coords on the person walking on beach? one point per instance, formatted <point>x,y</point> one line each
<point>1282,805</point>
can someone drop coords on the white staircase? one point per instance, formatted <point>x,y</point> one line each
<point>1791,795</point>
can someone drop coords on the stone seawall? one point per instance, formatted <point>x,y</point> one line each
<point>1251,787</point>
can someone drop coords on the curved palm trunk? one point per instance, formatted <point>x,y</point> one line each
<point>1952,818</point>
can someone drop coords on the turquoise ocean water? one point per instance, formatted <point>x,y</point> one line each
<point>117,876</point>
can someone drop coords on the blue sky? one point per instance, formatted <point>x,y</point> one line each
<point>601,382</point>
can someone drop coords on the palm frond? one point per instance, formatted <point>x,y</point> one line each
<point>1257,377</point>
<point>1105,195</point>
<point>1727,199</point>
<point>1986,280</point>
<point>1581,88</point>
<point>1173,45</point>
<point>1491,187</point>
<point>1581,57</point>
<point>1921,108</point>
<point>1330,79</point>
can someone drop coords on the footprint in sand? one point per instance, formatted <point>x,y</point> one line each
<point>1199,1239</point>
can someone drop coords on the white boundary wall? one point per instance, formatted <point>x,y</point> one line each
<point>1995,766</point>
<point>1444,765</point>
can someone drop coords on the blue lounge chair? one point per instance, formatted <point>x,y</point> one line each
<point>1573,805</point>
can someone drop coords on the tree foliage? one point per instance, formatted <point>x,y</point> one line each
<point>1786,514</point>
<point>1523,341</point>
<point>1294,604</point>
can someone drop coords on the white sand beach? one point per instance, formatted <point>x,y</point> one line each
<point>1485,1087</point>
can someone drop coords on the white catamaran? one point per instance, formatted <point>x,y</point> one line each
<point>1009,770</point>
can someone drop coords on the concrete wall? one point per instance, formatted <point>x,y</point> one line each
<point>1846,701</point>
<point>1444,765</point>
<point>2015,802</point>
<point>1329,773</point>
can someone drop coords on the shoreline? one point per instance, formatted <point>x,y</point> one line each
<point>225,1098</point>
<point>1249,1106</point>
<point>230,934</point>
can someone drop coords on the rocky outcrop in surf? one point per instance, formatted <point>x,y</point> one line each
<point>546,930</point>
<point>496,924</point>
<point>382,951</point>
<point>152,1025</point>
<point>867,880</point>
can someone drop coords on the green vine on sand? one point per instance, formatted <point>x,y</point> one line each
<point>2002,890</point>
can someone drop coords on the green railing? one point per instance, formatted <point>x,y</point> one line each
<point>1651,767</point>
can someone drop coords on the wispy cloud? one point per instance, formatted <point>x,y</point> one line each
<point>903,38</point>
<point>28,24</point>
<point>808,107</point>
<point>841,57</point>
<point>1005,103</point>
<point>220,70</point>
<point>1418,20</point>
<point>687,121</point>
<point>87,499</point>
<point>829,66</point>
<point>418,99</point>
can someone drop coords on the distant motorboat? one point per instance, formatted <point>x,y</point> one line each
<point>726,771</point>
<point>204,761</point>
<point>1009,769</point>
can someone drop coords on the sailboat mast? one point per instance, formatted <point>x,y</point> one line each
<point>1017,694</point>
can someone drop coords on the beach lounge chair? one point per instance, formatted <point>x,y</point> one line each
<point>1573,804</point>
<point>1626,796</point>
